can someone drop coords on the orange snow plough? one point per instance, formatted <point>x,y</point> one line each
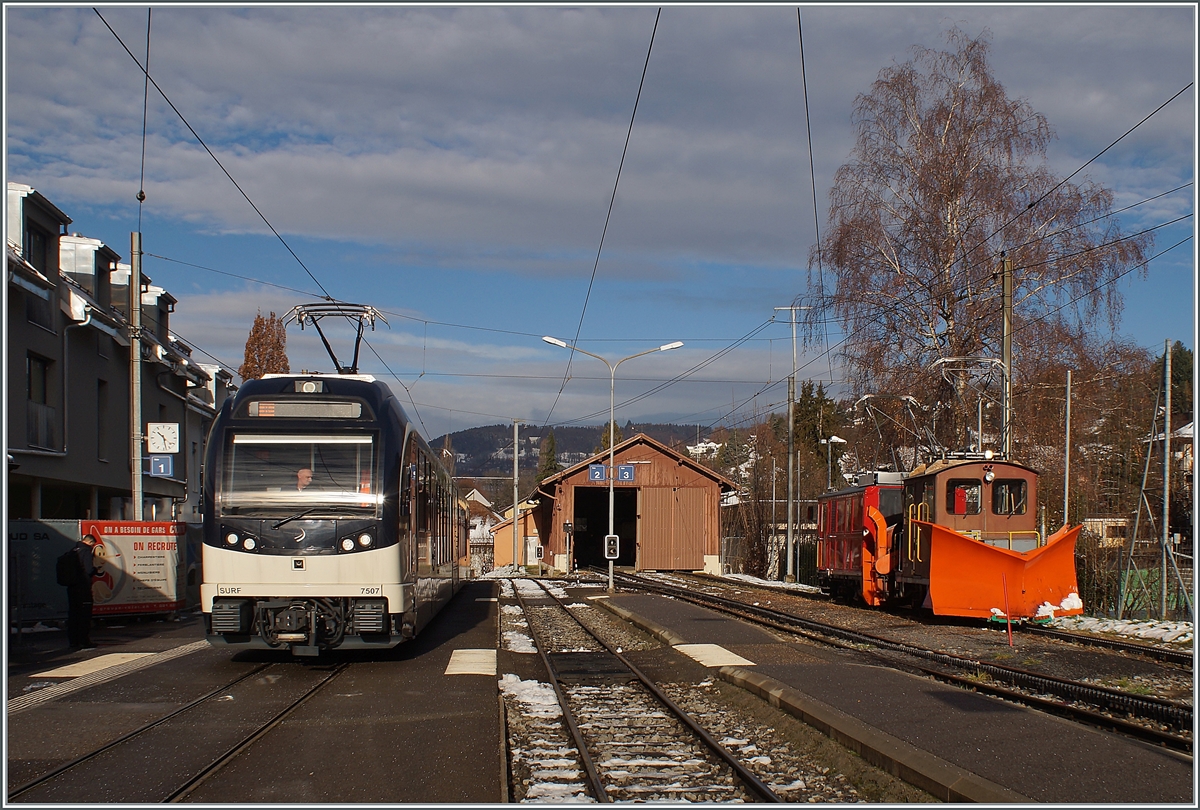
<point>970,578</point>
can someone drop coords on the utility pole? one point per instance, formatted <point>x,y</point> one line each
<point>1166,517</point>
<point>135,369</point>
<point>1006,306</point>
<point>792,471</point>
<point>1067,455</point>
<point>516,503</point>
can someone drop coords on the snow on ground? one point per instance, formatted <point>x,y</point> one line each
<point>536,698</point>
<point>1176,632</point>
<point>770,583</point>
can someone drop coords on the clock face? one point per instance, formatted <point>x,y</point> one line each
<point>162,437</point>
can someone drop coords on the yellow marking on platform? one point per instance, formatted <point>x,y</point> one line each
<point>601,596</point>
<point>91,665</point>
<point>713,655</point>
<point>472,662</point>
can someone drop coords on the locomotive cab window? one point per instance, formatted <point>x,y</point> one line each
<point>964,496</point>
<point>1008,496</point>
<point>267,473</point>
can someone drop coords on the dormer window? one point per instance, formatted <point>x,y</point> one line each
<point>37,248</point>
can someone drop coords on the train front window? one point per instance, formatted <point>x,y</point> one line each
<point>1008,496</point>
<point>273,473</point>
<point>964,496</point>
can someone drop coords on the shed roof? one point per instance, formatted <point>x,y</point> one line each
<point>657,446</point>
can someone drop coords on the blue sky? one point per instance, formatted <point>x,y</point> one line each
<point>453,168</point>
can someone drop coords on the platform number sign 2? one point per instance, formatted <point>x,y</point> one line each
<point>611,546</point>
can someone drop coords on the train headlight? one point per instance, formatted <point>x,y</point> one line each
<point>364,540</point>
<point>232,538</point>
<point>347,544</point>
<point>249,544</point>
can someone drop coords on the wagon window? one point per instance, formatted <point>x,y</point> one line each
<point>964,496</point>
<point>1008,496</point>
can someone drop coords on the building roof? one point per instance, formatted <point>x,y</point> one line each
<point>643,439</point>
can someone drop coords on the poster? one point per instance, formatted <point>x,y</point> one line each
<point>137,566</point>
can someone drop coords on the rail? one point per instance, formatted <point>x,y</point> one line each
<point>1169,714</point>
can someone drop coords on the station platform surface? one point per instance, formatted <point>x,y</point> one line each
<point>960,746</point>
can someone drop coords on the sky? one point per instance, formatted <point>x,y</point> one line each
<point>453,168</point>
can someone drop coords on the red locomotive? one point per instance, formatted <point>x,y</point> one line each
<point>958,536</point>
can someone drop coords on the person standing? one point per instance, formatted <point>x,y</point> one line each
<point>79,595</point>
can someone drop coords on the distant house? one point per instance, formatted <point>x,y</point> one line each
<point>481,522</point>
<point>528,540</point>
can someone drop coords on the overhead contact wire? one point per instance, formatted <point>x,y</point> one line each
<point>612,200</point>
<point>217,160</point>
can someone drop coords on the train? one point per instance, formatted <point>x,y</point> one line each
<point>958,536</point>
<point>329,522</point>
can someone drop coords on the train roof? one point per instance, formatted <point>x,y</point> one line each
<point>941,465</point>
<point>374,392</point>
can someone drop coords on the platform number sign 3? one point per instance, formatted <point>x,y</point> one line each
<point>612,546</point>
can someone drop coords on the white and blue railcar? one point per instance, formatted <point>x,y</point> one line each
<point>328,521</point>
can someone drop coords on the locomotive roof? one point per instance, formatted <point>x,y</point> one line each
<point>941,465</point>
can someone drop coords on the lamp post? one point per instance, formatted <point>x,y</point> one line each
<point>829,443</point>
<point>612,387</point>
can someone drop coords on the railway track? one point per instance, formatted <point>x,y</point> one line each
<point>1154,719</point>
<point>1180,658</point>
<point>628,741</point>
<point>132,766</point>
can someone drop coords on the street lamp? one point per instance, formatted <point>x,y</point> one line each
<point>612,419</point>
<point>832,440</point>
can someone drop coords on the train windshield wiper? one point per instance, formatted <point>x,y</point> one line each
<point>323,508</point>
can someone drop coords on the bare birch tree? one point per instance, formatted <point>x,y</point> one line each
<point>947,175</point>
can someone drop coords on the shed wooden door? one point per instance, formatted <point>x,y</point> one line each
<point>672,530</point>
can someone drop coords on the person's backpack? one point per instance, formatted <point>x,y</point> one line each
<point>69,570</point>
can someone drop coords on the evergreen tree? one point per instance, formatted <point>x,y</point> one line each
<point>620,437</point>
<point>266,349</point>
<point>548,459</point>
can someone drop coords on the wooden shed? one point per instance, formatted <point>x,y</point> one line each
<point>666,510</point>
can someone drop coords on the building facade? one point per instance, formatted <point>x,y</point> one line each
<point>68,384</point>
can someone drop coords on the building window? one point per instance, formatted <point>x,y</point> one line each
<point>39,312</point>
<point>37,248</point>
<point>39,379</point>
<point>40,417</point>
<point>102,420</point>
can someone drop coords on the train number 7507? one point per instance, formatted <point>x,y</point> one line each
<point>371,590</point>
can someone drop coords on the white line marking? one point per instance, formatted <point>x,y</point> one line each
<point>32,699</point>
<point>472,662</point>
<point>487,599</point>
<point>713,655</point>
<point>91,665</point>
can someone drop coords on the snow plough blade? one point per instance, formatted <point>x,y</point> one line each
<point>970,578</point>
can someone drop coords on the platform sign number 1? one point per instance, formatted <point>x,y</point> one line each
<point>611,546</point>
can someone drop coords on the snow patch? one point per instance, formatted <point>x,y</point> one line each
<point>1174,632</point>
<point>770,583</point>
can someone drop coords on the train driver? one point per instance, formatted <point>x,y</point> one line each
<point>304,477</point>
